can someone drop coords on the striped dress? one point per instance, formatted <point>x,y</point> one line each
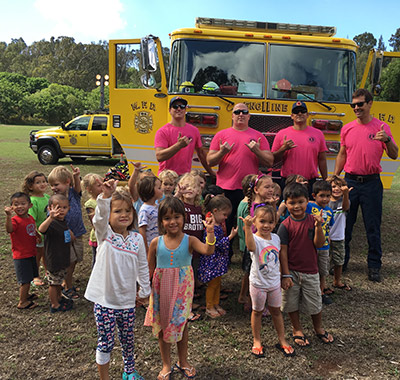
<point>172,291</point>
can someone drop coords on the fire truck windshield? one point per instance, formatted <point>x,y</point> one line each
<point>218,67</point>
<point>304,72</point>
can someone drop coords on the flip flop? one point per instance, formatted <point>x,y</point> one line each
<point>165,376</point>
<point>213,314</point>
<point>329,291</point>
<point>220,310</point>
<point>189,373</point>
<point>194,317</point>
<point>343,287</point>
<point>31,305</point>
<point>258,352</point>
<point>284,348</point>
<point>323,336</point>
<point>301,337</point>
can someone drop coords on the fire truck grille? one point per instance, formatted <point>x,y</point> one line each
<point>269,126</point>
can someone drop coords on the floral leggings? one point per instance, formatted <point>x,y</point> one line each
<point>105,321</point>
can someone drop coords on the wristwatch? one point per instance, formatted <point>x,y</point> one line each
<point>389,139</point>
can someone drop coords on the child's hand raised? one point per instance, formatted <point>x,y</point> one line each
<point>138,166</point>
<point>75,171</point>
<point>247,221</point>
<point>8,210</point>
<point>54,211</point>
<point>233,233</point>
<point>318,219</point>
<point>345,189</point>
<point>109,187</point>
<point>209,223</point>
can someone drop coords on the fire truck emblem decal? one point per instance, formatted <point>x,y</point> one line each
<point>143,122</point>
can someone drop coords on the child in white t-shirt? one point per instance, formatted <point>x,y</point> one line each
<point>265,276</point>
<point>340,204</point>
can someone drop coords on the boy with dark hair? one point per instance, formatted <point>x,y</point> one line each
<point>322,191</point>
<point>300,234</point>
<point>57,242</point>
<point>22,230</point>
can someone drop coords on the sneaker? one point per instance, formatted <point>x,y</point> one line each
<point>326,300</point>
<point>132,376</point>
<point>374,274</point>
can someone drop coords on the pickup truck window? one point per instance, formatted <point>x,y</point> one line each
<point>99,123</point>
<point>80,124</point>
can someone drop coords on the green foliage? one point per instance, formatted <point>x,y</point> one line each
<point>390,82</point>
<point>394,40</point>
<point>366,41</point>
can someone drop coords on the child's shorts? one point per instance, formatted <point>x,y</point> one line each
<point>56,278</point>
<point>41,244</point>
<point>246,261</point>
<point>26,270</point>
<point>260,296</point>
<point>337,251</point>
<point>323,262</point>
<point>306,291</point>
<point>77,250</point>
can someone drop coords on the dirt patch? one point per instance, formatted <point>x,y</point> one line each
<point>365,322</point>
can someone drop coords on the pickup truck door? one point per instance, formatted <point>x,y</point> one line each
<point>99,136</point>
<point>76,136</point>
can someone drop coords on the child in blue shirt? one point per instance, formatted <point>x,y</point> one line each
<point>322,194</point>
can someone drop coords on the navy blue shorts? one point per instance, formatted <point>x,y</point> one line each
<point>26,270</point>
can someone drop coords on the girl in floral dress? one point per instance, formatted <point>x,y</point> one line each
<point>171,299</point>
<point>212,267</point>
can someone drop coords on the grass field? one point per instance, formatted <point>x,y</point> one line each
<point>365,322</point>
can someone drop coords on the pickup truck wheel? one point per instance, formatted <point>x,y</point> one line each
<point>78,159</point>
<point>47,155</point>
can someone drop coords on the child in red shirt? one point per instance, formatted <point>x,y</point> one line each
<point>22,229</point>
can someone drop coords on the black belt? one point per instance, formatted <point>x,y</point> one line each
<point>362,178</point>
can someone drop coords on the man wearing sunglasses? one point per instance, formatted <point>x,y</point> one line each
<point>177,140</point>
<point>301,148</point>
<point>238,151</point>
<point>363,142</point>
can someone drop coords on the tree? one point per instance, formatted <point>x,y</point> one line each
<point>394,40</point>
<point>390,81</point>
<point>366,41</point>
<point>381,44</point>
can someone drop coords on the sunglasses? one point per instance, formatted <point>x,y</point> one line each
<point>359,104</point>
<point>176,106</point>
<point>238,112</point>
<point>299,110</point>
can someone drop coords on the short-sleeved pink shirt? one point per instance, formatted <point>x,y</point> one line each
<point>240,161</point>
<point>167,136</point>
<point>303,159</point>
<point>363,153</point>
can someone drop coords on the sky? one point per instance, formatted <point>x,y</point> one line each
<point>94,20</point>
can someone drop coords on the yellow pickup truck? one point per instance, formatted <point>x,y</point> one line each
<point>85,136</point>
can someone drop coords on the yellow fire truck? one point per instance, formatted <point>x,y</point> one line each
<point>222,62</point>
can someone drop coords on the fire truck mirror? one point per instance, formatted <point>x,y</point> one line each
<point>149,54</point>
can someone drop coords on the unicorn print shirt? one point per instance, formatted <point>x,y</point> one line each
<point>265,268</point>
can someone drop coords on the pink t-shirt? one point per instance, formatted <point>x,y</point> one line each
<point>167,136</point>
<point>363,152</point>
<point>240,161</point>
<point>303,159</point>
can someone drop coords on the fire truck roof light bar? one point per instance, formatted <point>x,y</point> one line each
<point>271,27</point>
